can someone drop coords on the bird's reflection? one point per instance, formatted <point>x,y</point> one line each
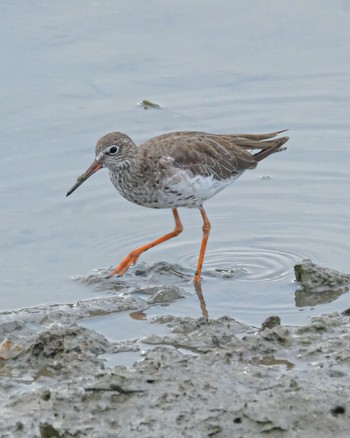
<point>199,292</point>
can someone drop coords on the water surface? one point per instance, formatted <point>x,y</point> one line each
<point>73,71</point>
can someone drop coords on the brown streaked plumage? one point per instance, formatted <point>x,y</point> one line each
<point>179,169</point>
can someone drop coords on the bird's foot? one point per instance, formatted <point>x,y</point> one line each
<point>125,264</point>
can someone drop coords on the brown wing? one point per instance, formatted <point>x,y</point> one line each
<point>221,156</point>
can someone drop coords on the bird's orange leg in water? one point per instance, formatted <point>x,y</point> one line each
<point>206,231</point>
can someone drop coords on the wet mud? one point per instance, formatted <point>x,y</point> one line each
<point>203,377</point>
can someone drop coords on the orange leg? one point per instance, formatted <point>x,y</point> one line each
<point>131,258</point>
<point>206,232</point>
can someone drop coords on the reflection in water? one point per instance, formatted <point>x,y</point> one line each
<point>304,298</point>
<point>199,292</point>
<point>138,315</point>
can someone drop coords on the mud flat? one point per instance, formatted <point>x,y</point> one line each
<point>204,378</point>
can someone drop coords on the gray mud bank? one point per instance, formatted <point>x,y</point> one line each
<point>205,378</point>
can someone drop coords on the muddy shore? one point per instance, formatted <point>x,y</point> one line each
<point>204,378</point>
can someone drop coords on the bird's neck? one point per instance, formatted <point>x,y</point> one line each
<point>122,176</point>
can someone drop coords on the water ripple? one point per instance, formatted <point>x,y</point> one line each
<point>250,264</point>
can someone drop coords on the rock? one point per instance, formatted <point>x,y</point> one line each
<point>319,285</point>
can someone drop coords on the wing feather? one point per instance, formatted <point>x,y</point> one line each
<point>220,156</point>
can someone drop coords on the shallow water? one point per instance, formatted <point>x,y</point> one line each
<point>76,71</point>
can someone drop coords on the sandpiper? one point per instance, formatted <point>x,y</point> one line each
<point>178,169</point>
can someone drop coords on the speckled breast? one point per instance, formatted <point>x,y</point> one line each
<point>181,190</point>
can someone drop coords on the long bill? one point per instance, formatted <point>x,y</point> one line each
<point>95,166</point>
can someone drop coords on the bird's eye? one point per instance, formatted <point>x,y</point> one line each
<point>113,150</point>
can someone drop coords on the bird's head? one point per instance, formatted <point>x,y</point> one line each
<point>113,151</point>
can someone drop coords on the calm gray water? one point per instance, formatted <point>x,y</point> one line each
<point>72,71</point>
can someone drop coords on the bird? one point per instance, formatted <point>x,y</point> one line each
<point>177,169</point>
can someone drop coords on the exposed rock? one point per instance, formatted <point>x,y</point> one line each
<point>319,285</point>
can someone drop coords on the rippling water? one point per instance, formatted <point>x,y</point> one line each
<point>222,68</point>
